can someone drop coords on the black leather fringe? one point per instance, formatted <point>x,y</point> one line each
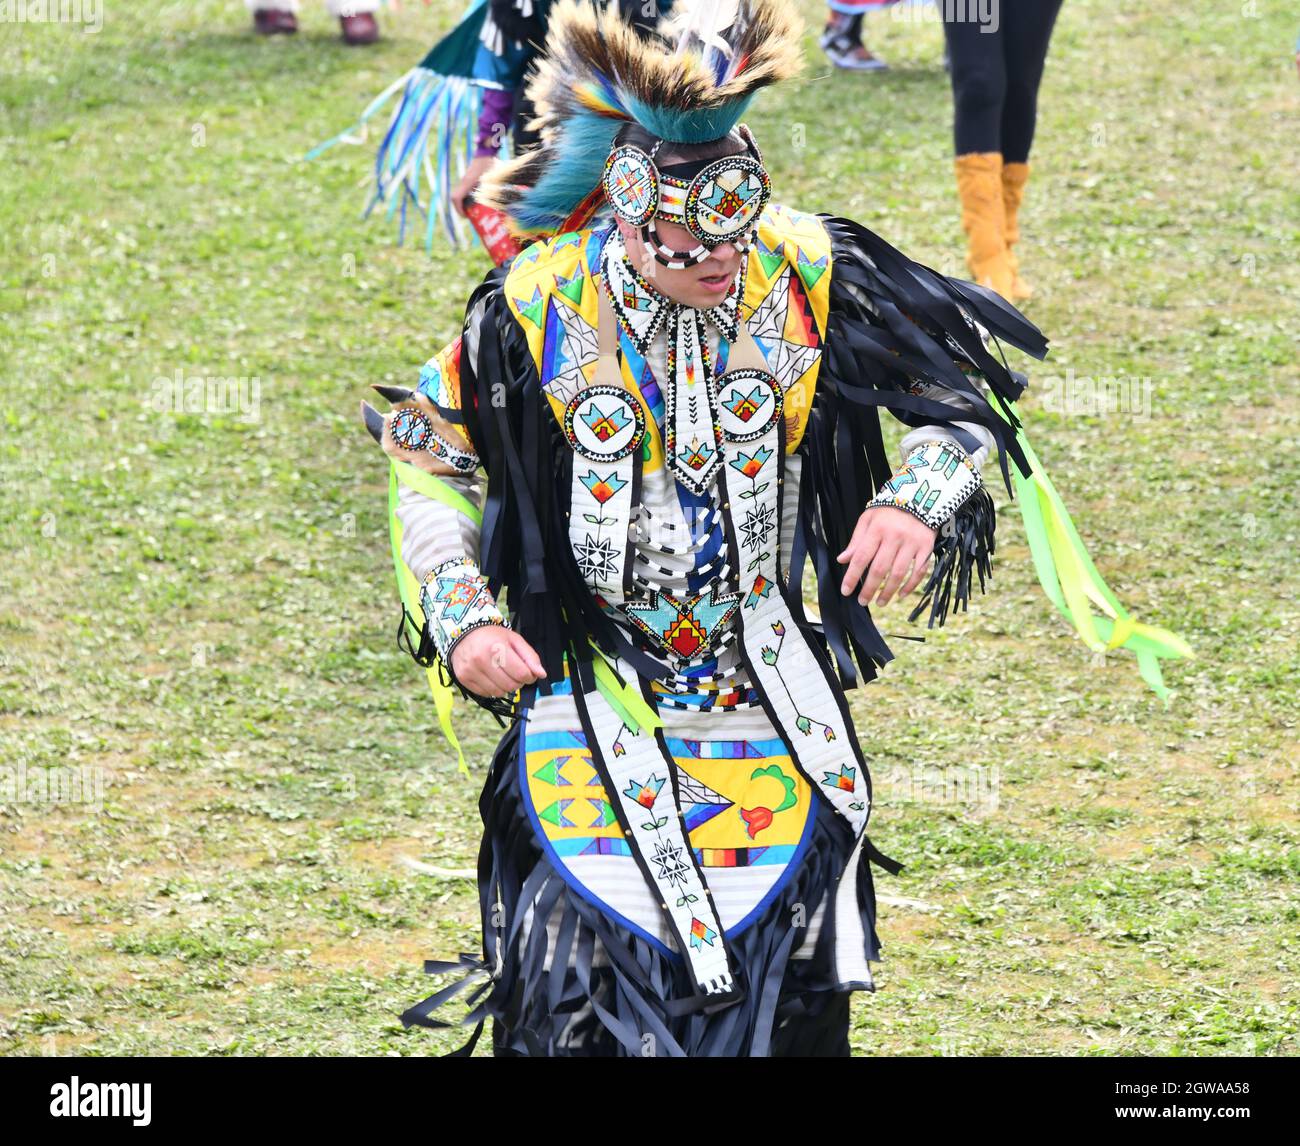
<point>640,1002</point>
<point>894,323</point>
<point>964,546</point>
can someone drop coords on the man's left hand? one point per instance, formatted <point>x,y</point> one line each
<point>479,166</point>
<point>886,542</point>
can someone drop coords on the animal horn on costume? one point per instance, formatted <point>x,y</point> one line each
<point>374,421</point>
<point>393,394</point>
<point>690,83</point>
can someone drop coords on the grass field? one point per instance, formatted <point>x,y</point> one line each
<point>199,607</point>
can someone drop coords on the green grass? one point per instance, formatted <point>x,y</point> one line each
<point>202,607</point>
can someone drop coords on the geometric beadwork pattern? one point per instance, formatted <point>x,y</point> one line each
<point>934,482</point>
<point>688,628</point>
<point>455,599</point>
<point>726,198</point>
<point>748,401</point>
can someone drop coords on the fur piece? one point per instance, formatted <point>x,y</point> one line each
<point>597,73</point>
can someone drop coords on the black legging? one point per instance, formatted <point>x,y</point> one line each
<point>995,75</point>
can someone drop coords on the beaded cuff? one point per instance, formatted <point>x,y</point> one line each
<point>936,479</point>
<point>455,599</point>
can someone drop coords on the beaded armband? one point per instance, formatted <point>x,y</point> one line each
<point>456,599</point>
<point>935,481</point>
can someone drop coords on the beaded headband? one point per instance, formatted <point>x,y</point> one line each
<point>719,203</point>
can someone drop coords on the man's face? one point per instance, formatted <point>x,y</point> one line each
<point>702,286</point>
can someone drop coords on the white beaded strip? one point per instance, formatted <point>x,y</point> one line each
<point>719,562</point>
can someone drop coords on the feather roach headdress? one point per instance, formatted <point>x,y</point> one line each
<point>689,83</point>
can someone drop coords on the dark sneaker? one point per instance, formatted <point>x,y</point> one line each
<point>851,55</point>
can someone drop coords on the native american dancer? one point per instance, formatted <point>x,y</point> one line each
<point>605,496</point>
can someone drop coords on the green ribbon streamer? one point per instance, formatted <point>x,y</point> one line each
<point>623,698</point>
<point>408,587</point>
<point>433,486</point>
<point>1071,581</point>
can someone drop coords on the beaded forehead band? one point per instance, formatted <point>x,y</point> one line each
<point>721,202</point>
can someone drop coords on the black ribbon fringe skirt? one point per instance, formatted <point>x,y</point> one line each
<point>640,1001</point>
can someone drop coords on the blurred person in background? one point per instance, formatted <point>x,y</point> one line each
<point>280,18</point>
<point>841,39</point>
<point>461,110</point>
<point>506,110</point>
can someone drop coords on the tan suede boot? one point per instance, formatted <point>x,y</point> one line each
<point>1014,178</point>
<point>979,184</point>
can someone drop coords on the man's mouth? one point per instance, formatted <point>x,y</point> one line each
<point>715,282</point>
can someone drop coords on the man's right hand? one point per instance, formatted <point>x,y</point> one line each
<point>495,661</point>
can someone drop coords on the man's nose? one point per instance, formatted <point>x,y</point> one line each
<point>724,252</point>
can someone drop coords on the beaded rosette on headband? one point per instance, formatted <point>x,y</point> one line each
<point>717,201</point>
<point>686,88</point>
